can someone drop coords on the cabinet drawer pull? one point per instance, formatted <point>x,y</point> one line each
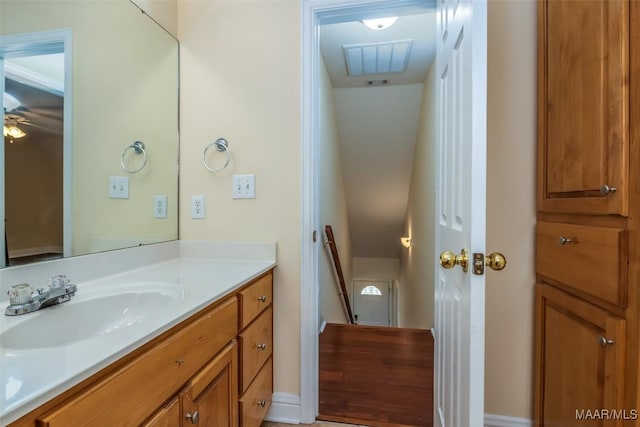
<point>262,298</point>
<point>262,403</point>
<point>193,417</point>
<point>606,190</point>
<point>604,342</point>
<point>262,346</point>
<point>565,240</point>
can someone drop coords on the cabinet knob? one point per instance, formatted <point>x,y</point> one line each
<point>262,403</point>
<point>193,417</point>
<point>605,342</point>
<point>262,346</point>
<point>605,190</point>
<point>565,240</point>
<point>262,298</point>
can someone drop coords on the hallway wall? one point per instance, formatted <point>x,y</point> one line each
<point>332,207</point>
<point>416,289</point>
<point>511,212</point>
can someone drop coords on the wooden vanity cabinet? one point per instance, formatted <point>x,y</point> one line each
<point>582,364</point>
<point>169,415</point>
<point>256,348</point>
<point>187,376</point>
<point>587,327</point>
<point>583,106</point>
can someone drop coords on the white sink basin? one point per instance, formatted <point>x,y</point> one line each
<point>79,320</point>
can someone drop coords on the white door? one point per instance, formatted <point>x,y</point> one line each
<point>459,295</point>
<point>371,302</point>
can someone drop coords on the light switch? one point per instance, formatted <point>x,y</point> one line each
<point>244,186</point>
<point>119,187</point>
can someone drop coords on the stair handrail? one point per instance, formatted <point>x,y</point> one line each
<point>331,241</point>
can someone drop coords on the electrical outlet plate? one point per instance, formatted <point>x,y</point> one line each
<point>118,187</point>
<point>244,186</point>
<point>160,206</point>
<point>197,207</point>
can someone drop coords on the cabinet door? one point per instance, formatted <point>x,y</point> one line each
<point>579,360</point>
<point>168,416</point>
<point>211,399</point>
<point>583,106</point>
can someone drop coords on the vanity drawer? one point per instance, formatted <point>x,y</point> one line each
<point>255,298</point>
<point>256,346</point>
<point>255,403</point>
<point>590,259</point>
<point>151,378</point>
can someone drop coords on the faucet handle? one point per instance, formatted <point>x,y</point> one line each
<point>58,281</point>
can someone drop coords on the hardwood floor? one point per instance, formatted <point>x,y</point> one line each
<point>376,376</point>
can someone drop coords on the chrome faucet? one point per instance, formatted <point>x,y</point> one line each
<point>22,298</point>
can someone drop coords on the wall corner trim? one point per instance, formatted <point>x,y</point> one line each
<point>285,408</point>
<point>491,420</point>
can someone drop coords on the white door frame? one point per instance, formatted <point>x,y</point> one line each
<point>315,13</point>
<point>38,43</point>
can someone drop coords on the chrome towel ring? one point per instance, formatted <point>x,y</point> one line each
<point>221,145</point>
<point>138,148</point>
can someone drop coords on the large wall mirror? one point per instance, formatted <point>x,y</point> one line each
<point>83,82</point>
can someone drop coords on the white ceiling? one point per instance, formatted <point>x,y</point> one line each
<point>377,127</point>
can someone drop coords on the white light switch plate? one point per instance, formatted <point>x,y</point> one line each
<point>244,186</point>
<point>119,187</point>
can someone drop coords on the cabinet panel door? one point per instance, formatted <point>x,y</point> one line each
<point>168,416</point>
<point>213,392</point>
<point>583,106</point>
<point>575,371</point>
<point>256,346</point>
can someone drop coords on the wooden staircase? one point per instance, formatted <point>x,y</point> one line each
<point>376,376</point>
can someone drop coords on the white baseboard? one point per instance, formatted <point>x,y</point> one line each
<point>491,420</point>
<point>285,408</point>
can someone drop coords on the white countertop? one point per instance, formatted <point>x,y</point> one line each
<point>31,377</point>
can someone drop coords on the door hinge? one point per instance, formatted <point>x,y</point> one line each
<point>478,263</point>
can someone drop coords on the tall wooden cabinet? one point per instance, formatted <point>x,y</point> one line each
<point>588,199</point>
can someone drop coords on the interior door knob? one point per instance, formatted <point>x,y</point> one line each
<point>449,260</point>
<point>496,261</point>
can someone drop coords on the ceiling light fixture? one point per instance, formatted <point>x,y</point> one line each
<point>380,24</point>
<point>406,241</point>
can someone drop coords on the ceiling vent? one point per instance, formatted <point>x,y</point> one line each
<point>377,58</point>
<point>378,82</point>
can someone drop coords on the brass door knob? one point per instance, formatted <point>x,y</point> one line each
<point>449,260</point>
<point>496,261</point>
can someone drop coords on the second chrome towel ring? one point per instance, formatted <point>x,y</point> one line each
<point>221,145</point>
<point>138,148</point>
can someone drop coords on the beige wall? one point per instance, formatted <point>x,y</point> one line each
<point>511,207</point>
<point>164,12</point>
<point>416,290</point>
<point>332,204</point>
<point>240,79</point>
<point>376,268</point>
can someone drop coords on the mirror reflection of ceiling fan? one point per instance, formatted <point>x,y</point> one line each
<point>11,127</point>
<point>18,120</point>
